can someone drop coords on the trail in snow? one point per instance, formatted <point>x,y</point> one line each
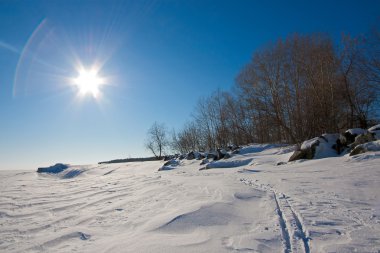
<point>292,229</point>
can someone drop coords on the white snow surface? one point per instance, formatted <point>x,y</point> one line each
<point>323,205</point>
<point>376,131</point>
<point>371,146</point>
<point>374,128</point>
<point>356,131</point>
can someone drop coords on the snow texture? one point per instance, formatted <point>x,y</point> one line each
<point>371,146</point>
<point>374,128</point>
<point>228,163</point>
<point>356,131</point>
<point>323,205</point>
<point>54,169</point>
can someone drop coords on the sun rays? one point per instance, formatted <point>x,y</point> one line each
<point>89,82</point>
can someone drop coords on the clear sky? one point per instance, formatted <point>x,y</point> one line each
<point>156,58</point>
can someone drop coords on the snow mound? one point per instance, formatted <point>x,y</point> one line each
<point>61,170</point>
<point>372,146</point>
<point>213,215</point>
<point>376,134</point>
<point>366,156</point>
<point>249,195</point>
<point>54,169</point>
<point>356,131</point>
<point>256,148</point>
<point>285,150</point>
<point>374,128</point>
<point>365,147</point>
<point>71,173</point>
<point>170,165</point>
<point>228,164</point>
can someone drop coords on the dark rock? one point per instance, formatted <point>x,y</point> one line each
<point>190,156</point>
<point>298,155</point>
<point>363,138</point>
<point>351,134</point>
<point>221,153</point>
<point>168,157</point>
<point>233,147</point>
<point>339,146</point>
<point>350,138</point>
<point>358,150</point>
<point>281,163</point>
<point>212,155</point>
<point>227,156</point>
<point>204,161</point>
<point>200,156</point>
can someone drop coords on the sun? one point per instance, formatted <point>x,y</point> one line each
<point>88,82</point>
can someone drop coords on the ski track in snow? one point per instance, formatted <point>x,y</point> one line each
<point>294,236</point>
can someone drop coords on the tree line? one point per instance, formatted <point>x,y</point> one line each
<point>290,91</point>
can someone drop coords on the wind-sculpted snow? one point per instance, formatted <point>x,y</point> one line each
<point>228,163</point>
<point>54,169</point>
<point>325,205</point>
<point>256,148</point>
<point>215,215</point>
<point>62,171</point>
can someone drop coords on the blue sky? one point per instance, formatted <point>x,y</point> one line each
<point>158,57</point>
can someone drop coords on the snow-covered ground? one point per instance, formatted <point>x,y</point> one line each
<point>249,204</point>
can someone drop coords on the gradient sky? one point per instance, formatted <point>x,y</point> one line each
<point>159,58</point>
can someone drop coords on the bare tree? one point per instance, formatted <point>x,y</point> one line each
<point>358,75</point>
<point>157,139</point>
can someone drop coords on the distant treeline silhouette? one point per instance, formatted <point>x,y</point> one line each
<point>126,160</point>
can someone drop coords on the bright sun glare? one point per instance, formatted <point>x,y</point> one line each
<point>88,82</point>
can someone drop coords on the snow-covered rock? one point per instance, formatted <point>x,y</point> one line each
<point>365,147</point>
<point>169,165</point>
<point>256,148</point>
<point>363,138</point>
<point>356,131</point>
<point>318,147</point>
<point>204,161</point>
<point>375,130</point>
<point>227,164</point>
<point>349,136</point>
<point>54,169</point>
<point>63,171</point>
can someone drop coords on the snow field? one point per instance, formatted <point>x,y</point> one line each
<point>246,204</point>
